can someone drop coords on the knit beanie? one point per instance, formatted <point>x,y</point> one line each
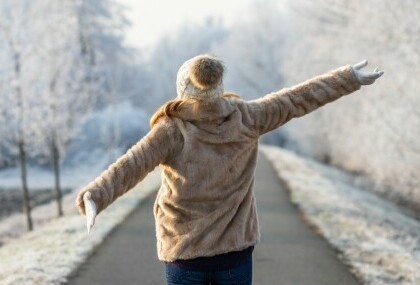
<point>200,77</point>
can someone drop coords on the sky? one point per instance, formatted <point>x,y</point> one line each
<point>153,19</point>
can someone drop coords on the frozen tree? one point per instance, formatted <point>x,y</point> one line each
<point>373,132</point>
<point>253,52</point>
<point>100,31</point>
<point>59,102</point>
<point>254,55</point>
<point>60,60</point>
<point>14,100</point>
<point>77,42</point>
<point>96,130</point>
<point>111,134</point>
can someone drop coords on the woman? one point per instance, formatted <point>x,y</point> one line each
<point>206,143</point>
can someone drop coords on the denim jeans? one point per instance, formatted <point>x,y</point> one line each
<point>241,275</point>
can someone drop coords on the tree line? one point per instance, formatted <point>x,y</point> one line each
<point>59,60</point>
<point>62,59</point>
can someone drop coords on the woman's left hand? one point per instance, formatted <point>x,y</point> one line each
<point>366,77</point>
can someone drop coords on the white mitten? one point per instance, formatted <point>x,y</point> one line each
<point>90,208</point>
<point>366,77</point>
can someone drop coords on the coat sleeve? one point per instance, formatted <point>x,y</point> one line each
<point>275,109</point>
<point>156,147</point>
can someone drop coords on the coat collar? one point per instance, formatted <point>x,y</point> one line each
<point>205,110</point>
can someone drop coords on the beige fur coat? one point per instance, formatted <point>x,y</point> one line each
<point>207,151</point>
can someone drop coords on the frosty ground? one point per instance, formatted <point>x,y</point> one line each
<point>40,182</point>
<point>58,246</point>
<point>379,242</point>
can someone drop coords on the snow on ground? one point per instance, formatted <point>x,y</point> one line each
<point>379,243</point>
<point>58,246</point>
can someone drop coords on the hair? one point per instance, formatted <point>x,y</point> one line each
<point>170,108</point>
<point>231,95</point>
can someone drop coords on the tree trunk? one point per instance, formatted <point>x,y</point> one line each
<point>56,166</point>
<point>26,202</point>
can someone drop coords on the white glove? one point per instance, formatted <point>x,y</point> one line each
<point>366,77</point>
<point>90,208</point>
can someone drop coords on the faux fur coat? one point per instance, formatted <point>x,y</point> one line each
<point>207,151</point>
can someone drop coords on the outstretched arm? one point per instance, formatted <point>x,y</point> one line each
<point>156,147</point>
<point>275,109</point>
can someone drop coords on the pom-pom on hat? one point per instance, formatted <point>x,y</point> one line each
<point>200,77</point>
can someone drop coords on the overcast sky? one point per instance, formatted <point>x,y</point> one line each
<point>151,19</point>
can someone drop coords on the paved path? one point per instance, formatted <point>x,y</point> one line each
<point>289,253</point>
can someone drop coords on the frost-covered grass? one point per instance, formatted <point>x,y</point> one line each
<point>58,246</point>
<point>379,243</point>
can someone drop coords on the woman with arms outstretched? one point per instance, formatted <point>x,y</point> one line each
<point>206,143</point>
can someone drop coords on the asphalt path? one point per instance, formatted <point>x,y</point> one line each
<point>289,253</point>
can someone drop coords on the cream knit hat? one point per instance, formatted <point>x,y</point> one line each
<point>200,77</point>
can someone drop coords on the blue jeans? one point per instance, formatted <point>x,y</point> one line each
<point>241,275</point>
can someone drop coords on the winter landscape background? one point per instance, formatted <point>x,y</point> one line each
<point>75,94</point>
